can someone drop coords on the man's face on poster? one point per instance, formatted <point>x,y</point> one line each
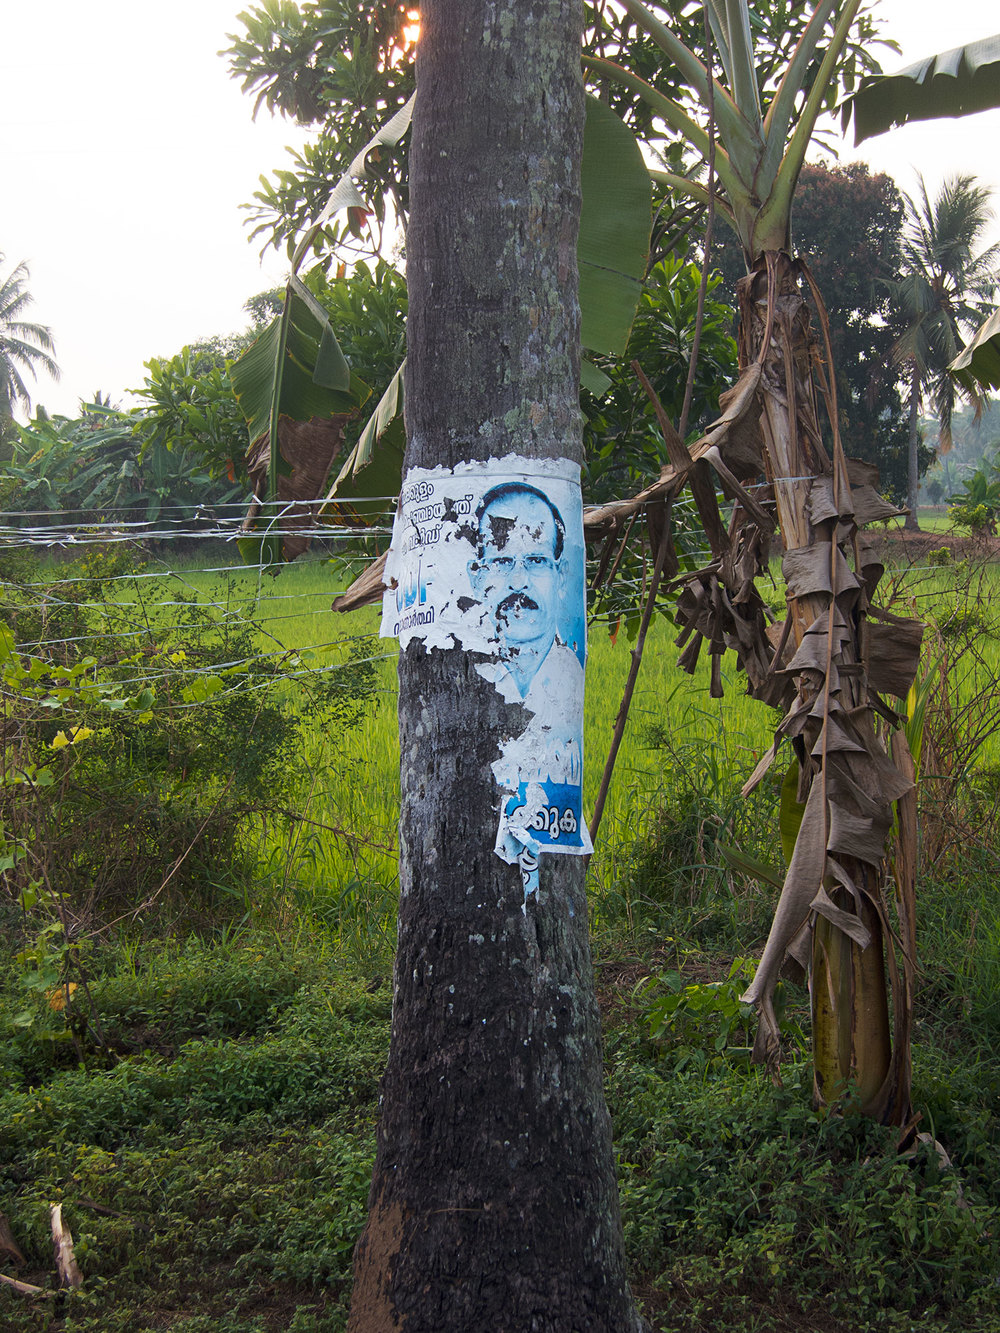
<point>518,572</point>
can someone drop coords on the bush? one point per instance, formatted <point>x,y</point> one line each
<point>738,1199</point>
<point>683,864</point>
<point>147,737</point>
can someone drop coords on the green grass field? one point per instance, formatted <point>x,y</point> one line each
<point>341,866</point>
<point>349,880</point>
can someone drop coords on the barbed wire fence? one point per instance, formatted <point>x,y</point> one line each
<point>182,555</point>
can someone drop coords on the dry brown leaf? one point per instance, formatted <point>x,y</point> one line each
<point>310,448</point>
<point>24,1288</point>
<point>803,880</point>
<point>891,654</point>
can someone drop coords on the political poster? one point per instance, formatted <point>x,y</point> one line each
<point>489,557</point>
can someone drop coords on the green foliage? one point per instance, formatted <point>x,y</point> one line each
<point>683,863</point>
<point>945,289</point>
<point>25,347</point>
<point>146,735</point>
<point>344,65</point>
<point>976,506</point>
<point>745,1204</point>
<point>955,83</point>
<point>368,312</point>
<point>125,463</point>
<point>217,1165</point>
<point>185,446</point>
<point>624,447</point>
<point>213,1152</point>
<point>189,410</point>
<point>699,1020</point>
<point>613,244</point>
<point>224,1179</point>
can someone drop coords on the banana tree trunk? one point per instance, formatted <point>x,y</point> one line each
<point>850,1017</point>
<point>831,720</point>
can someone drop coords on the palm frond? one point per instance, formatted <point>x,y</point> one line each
<point>24,346</point>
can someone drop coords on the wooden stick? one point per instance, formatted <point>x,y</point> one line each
<point>8,1244</point>
<point>633,676</point>
<point>25,1288</point>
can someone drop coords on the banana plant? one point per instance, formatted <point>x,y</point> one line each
<point>830,663</point>
<point>295,375</point>
<point>954,83</point>
<point>757,154</point>
<point>295,372</point>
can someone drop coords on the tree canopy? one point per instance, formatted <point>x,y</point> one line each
<point>345,66</point>
<point>25,347</point>
<point>946,289</point>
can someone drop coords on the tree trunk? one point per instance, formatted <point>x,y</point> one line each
<point>851,1044</point>
<point>493,1203</point>
<point>913,451</point>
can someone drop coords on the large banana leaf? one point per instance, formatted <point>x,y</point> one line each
<point>369,470</point>
<point>295,371</point>
<point>757,162</point>
<point>977,367</point>
<point>298,360</point>
<point>954,83</point>
<point>615,222</point>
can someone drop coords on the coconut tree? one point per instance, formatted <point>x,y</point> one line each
<point>24,347</point>
<point>830,661</point>
<point>945,291</point>
<point>954,83</point>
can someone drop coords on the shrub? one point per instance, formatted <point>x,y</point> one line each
<point>146,736</point>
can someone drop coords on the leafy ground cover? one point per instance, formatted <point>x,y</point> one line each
<point>206,1117</point>
<point>213,1159</point>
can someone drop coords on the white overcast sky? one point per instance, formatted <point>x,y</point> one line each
<point>126,151</point>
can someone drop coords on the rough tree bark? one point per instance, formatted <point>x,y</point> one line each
<point>493,1203</point>
<point>913,452</point>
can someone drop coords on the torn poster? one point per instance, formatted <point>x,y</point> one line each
<point>489,557</point>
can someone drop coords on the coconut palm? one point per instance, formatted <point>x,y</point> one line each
<point>944,293</point>
<point>24,347</point>
<point>955,83</point>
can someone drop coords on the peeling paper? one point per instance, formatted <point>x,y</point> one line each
<point>489,557</point>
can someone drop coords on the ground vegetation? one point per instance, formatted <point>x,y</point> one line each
<point>211,1142</point>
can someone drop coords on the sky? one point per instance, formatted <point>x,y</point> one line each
<point>127,150</point>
